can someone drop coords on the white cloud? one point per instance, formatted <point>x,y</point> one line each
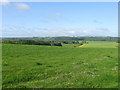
<point>4,2</point>
<point>71,31</point>
<point>102,29</point>
<point>16,30</point>
<point>22,6</point>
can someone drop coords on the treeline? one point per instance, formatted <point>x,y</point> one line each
<point>69,42</point>
<point>32,42</point>
<point>118,40</point>
<point>49,43</point>
<point>65,38</point>
<point>86,38</point>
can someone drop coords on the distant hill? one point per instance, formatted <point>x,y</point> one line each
<point>65,38</point>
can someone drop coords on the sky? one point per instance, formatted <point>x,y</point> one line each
<point>51,19</point>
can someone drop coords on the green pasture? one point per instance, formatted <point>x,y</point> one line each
<point>100,44</point>
<point>35,66</point>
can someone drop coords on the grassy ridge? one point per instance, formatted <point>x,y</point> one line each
<point>59,67</point>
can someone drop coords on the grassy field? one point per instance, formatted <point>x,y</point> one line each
<point>100,44</point>
<point>34,66</point>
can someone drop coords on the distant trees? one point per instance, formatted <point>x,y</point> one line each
<point>65,42</point>
<point>32,42</point>
<point>83,42</point>
<point>40,42</point>
<point>118,41</point>
<point>75,42</point>
<point>9,42</point>
<point>89,38</point>
<point>69,42</point>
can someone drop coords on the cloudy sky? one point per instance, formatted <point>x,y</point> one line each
<point>41,19</point>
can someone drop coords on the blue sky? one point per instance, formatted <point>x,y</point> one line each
<point>41,19</point>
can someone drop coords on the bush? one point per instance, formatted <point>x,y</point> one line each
<point>56,44</point>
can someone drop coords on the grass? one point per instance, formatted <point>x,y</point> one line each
<point>33,66</point>
<point>100,44</point>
